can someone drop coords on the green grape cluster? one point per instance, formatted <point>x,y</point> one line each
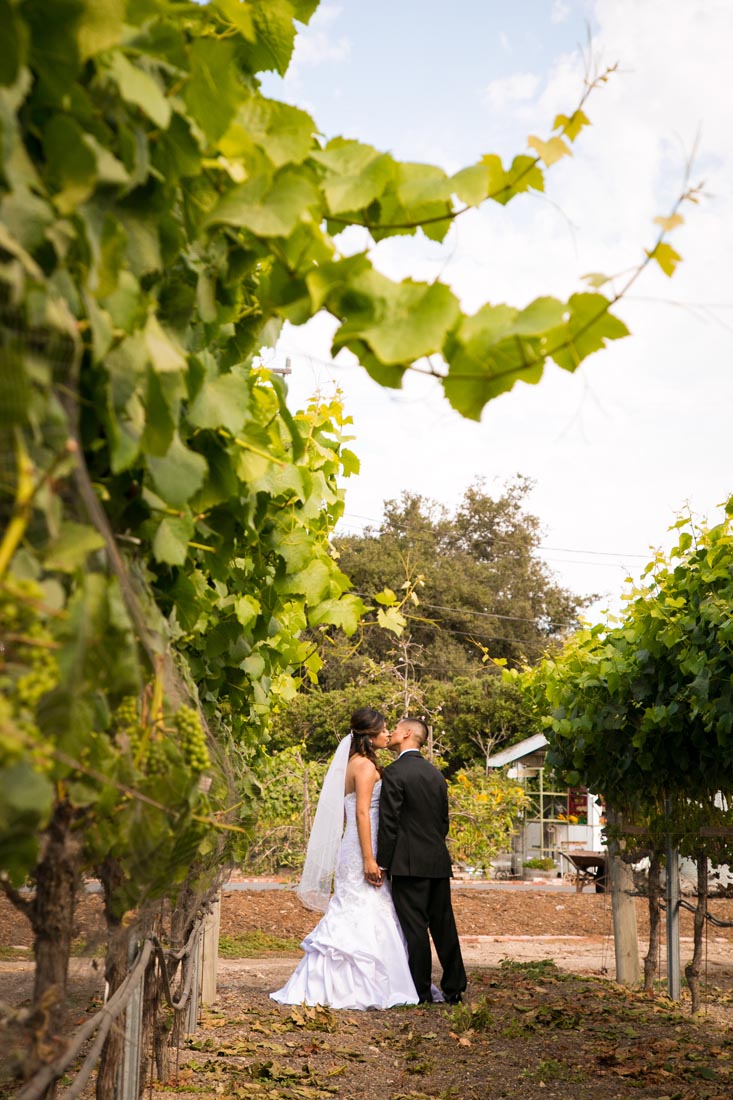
<point>29,669</point>
<point>193,739</point>
<point>147,748</point>
<point>41,678</point>
<point>127,723</point>
<point>156,760</point>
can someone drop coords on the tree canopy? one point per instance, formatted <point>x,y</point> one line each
<point>479,581</point>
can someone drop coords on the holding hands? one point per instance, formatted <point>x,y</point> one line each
<point>373,872</point>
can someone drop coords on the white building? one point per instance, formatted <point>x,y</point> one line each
<point>559,821</point>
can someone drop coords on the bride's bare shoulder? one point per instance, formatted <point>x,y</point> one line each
<point>360,773</point>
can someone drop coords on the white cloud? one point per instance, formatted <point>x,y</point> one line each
<point>560,11</point>
<point>507,91</point>
<point>642,427</point>
<point>317,45</point>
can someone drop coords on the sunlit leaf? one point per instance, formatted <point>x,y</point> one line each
<point>670,222</point>
<point>571,126</point>
<point>549,151</point>
<point>666,257</point>
<point>139,88</point>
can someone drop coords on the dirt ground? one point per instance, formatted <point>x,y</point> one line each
<point>541,1017</point>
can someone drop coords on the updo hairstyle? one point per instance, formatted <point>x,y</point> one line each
<point>366,722</point>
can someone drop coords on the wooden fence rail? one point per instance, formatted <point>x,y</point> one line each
<point>203,940</point>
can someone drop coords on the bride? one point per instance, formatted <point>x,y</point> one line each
<point>356,956</point>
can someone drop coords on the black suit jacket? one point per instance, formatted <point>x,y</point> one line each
<point>413,819</point>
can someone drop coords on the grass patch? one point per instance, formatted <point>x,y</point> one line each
<point>550,1070</point>
<point>472,1017</point>
<point>541,968</point>
<point>248,945</point>
<point>88,949</point>
<point>15,952</point>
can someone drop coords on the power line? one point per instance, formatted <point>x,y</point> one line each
<point>498,615</point>
<point>540,546</point>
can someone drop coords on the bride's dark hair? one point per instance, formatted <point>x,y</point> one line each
<point>366,722</point>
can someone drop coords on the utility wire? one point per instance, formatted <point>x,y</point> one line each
<point>499,539</point>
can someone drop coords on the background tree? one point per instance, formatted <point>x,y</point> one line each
<point>470,716</point>
<point>479,579</point>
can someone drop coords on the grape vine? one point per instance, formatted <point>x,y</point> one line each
<point>166,542</point>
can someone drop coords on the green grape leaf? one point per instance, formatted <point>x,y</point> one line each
<point>107,240</point>
<point>481,370</point>
<point>100,27</point>
<point>212,92</point>
<point>254,666</point>
<point>589,326</point>
<point>64,715</point>
<point>350,463</point>
<point>313,582</point>
<point>345,613</point>
<point>392,619</point>
<point>240,16</point>
<point>69,551</point>
<point>15,388</point>
<point>304,9</point>
<point>247,608</point>
<point>356,174</point>
<point>422,188</point>
<point>24,794</point>
<point>269,208</point>
<point>140,88</point>
<point>666,257</point>
<point>471,185</point>
<point>170,544</point>
<point>143,251</point>
<point>178,474</point>
<point>400,322</point>
<point>29,216</point>
<point>221,402</point>
<point>330,282</point>
<point>166,356</point>
<point>296,548</point>
<point>54,52</point>
<point>74,165</point>
<point>540,315</point>
<point>284,133</point>
<point>524,174</point>
<point>13,43</point>
<point>273,21</point>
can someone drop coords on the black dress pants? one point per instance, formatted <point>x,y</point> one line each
<point>424,906</point>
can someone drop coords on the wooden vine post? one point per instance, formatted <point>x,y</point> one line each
<point>210,953</point>
<point>626,945</point>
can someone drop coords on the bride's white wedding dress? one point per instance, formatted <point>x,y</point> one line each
<point>356,956</point>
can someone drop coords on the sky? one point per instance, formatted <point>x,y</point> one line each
<point>641,432</point>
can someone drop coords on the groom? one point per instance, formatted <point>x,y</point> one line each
<point>413,825</point>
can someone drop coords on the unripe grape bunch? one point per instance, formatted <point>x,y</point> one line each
<point>29,668</point>
<point>192,739</point>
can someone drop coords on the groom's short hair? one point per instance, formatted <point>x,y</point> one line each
<point>418,728</point>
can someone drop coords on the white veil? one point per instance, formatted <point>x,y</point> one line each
<point>314,889</point>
